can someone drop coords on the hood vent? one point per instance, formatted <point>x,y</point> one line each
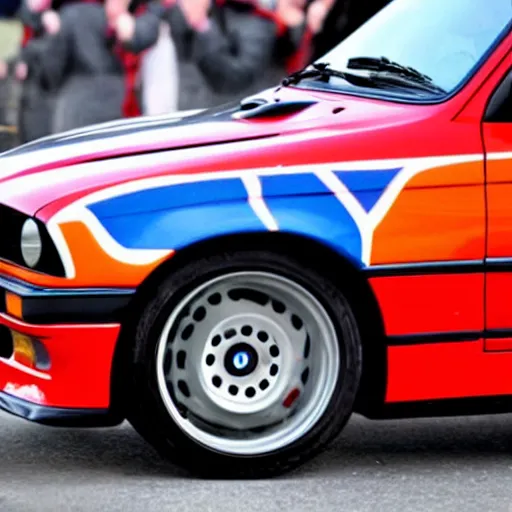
<point>257,108</point>
<point>252,103</point>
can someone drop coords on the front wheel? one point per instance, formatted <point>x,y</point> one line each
<point>244,364</point>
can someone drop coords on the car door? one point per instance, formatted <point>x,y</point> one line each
<point>497,138</point>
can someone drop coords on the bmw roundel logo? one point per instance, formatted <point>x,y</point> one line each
<point>240,360</point>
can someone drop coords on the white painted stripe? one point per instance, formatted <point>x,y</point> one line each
<point>499,156</point>
<point>351,204</point>
<point>22,368</point>
<point>255,196</point>
<point>20,186</point>
<point>174,179</point>
<point>62,248</point>
<point>13,164</point>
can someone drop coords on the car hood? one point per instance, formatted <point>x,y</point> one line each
<point>242,135</point>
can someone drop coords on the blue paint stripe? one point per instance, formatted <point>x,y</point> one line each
<point>175,229</point>
<point>171,196</point>
<point>367,179</point>
<point>292,184</point>
<point>321,217</point>
<point>368,199</point>
<point>367,186</point>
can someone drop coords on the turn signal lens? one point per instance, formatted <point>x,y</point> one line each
<point>14,305</point>
<point>23,349</point>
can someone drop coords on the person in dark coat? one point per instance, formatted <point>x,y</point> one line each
<point>230,49</point>
<point>38,15</point>
<point>36,103</point>
<point>90,61</point>
<point>8,8</point>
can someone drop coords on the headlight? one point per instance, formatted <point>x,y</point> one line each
<point>31,243</point>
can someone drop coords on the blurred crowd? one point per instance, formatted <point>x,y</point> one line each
<point>89,61</point>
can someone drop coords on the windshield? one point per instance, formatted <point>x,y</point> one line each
<point>444,39</point>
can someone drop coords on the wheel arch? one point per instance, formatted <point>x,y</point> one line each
<point>320,256</point>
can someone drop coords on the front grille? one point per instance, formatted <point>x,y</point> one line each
<point>11,223</point>
<point>6,345</point>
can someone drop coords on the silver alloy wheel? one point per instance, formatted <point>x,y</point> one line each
<point>247,363</point>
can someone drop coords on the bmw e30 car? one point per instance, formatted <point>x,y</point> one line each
<point>237,282</point>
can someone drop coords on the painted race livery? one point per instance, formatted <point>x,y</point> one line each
<point>236,282</point>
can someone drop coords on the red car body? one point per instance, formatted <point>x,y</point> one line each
<point>434,262</point>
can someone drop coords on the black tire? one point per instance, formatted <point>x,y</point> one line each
<point>148,414</point>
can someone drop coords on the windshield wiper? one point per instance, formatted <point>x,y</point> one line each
<point>322,71</point>
<point>406,79</point>
<point>406,74</point>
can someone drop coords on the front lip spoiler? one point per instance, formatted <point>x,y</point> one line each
<point>45,306</point>
<point>57,416</point>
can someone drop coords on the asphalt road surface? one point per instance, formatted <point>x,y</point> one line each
<point>401,466</point>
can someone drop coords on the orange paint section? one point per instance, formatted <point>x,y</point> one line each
<point>438,216</point>
<point>453,175</point>
<point>93,266</point>
<point>500,171</point>
<point>14,305</point>
<point>430,303</point>
<point>447,370</point>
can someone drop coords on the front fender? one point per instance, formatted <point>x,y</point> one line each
<point>132,229</point>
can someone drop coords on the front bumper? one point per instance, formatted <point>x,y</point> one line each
<point>78,331</point>
<point>57,416</point>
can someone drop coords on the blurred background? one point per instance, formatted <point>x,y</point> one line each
<point>66,64</point>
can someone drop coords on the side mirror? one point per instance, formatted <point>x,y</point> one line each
<point>499,109</point>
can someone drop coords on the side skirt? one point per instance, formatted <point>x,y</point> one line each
<point>442,408</point>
